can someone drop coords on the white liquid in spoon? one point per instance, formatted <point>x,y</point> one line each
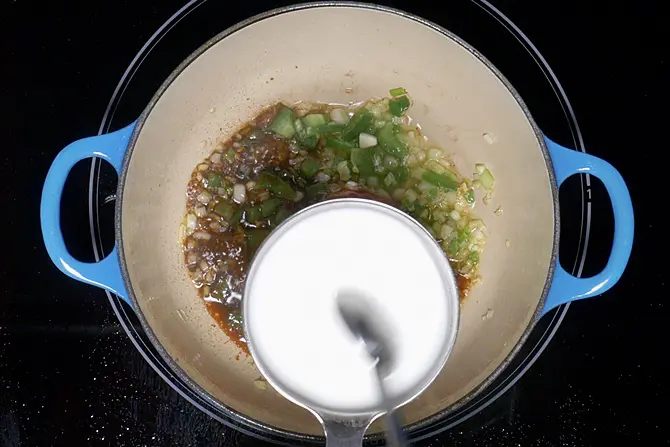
<point>294,328</point>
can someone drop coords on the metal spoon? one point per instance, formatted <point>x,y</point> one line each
<point>367,323</point>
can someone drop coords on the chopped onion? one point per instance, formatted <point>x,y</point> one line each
<point>216,158</point>
<point>191,222</point>
<point>425,186</point>
<point>411,196</point>
<point>204,197</point>
<point>451,197</point>
<point>239,193</point>
<point>479,168</point>
<point>250,185</point>
<point>299,195</point>
<point>381,193</point>
<point>373,182</point>
<point>434,153</point>
<point>191,259</point>
<point>182,232</point>
<point>366,140</point>
<point>340,116</point>
<point>343,170</point>
<point>398,194</point>
<point>455,215</point>
<point>202,167</point>
<point>390,162</point>
<point>202,235</point>
<point>351,185</point>
<point>445,231</point>
<point>322,177</point>
<point>200,211</point>
<point>215,226</point>
<point>417,173</point>
<point>390,180</point>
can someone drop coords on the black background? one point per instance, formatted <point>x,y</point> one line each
<point>69,375</point>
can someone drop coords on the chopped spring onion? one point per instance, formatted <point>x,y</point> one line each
<point>446,180</point>
<point>252,214</point>
<point>213,180</point>
<point>397,91</point>
<point>470,196</point>
<point>309,167</point>
<point>314,120</point>
<point>398,106</point>
<point>435,167</point>
<point>357,124</point>
<point>486,179</point>
<point>362,160</point>
<point>281,215</point>
<point>366,140</point>
<point>276,186</point>
<point>236,218</point>
<point>329,128</point>
<point>316,190</point>
<point>336,143</point>
<point>283,123</point>
<point>270,206</point>
<point>229,155</point>
<point>224,209</point>
<point>254,239</point>
<point>390,142</point>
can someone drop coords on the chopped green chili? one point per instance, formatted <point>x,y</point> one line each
<point>357,124</point>
<point>398,106</point>
<point>276,186</point>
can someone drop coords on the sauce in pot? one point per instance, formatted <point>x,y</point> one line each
<point>289,158</point>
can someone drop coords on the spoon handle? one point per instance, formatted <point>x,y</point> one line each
<point>340,433</point>
<point>394,436</point>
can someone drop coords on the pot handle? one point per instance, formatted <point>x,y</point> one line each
<point>565,287</point>
<point>106,273</point>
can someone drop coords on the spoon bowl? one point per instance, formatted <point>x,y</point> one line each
<point>296,328</point>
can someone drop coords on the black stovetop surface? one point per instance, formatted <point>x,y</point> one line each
<point>68,372</point>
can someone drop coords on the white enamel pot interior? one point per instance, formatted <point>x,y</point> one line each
<point>461,101</point>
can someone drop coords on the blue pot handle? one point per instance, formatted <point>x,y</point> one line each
<point>566,287</point>
<point>106,273</point>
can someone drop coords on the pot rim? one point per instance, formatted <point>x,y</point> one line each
<point>240,417</point>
